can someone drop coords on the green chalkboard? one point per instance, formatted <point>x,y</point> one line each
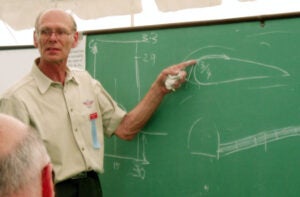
<point>231,130</point>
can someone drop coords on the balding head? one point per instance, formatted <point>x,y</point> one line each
<point>24,162</point>
<point>60,14</point>
<point>11,133</point>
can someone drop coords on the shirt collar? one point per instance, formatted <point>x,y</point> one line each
<point>44,82</point>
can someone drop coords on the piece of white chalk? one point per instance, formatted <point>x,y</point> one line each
<point>171,80</point>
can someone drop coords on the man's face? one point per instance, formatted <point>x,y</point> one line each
<point>55,36</point>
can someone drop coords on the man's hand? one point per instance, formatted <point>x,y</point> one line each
<point>172,77</point>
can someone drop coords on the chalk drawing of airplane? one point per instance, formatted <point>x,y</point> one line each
<point>205,140</point>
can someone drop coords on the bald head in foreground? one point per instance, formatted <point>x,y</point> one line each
<point>25,168</point>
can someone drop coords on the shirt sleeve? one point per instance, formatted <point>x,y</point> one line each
<point>112,114</point>
<point>14,107</point>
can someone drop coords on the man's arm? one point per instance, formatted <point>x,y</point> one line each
<point>135,120</point>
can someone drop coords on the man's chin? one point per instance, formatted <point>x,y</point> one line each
<point>55,60</point>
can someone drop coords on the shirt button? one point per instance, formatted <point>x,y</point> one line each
<point>82,149</point>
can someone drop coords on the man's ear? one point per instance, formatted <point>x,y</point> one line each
<point>47,181</point>
<point>35,39</point>
<point>75,38</point>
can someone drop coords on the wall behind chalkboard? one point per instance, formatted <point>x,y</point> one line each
<point>15,64</point>
<point>231,130</point>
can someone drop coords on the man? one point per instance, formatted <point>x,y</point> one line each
<point>72,111</point>
<point>25,168</point>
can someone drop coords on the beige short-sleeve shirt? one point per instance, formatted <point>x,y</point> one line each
<point>72,119</point>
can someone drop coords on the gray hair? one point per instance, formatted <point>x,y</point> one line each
<point>23,165</point>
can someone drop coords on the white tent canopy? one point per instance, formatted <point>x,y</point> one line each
<point>17,18</point>
<point>20,15</point>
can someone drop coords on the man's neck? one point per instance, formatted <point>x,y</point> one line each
<point>55,71</point>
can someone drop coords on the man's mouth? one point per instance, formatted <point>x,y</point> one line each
<point>52,49</point>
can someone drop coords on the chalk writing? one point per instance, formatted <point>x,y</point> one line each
<point>139,158</point>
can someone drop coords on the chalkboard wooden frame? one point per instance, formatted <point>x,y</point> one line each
<point>260,18</point>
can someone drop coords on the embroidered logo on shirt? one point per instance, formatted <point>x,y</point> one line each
<point>88,103</point>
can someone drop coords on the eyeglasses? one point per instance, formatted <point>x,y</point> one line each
<point>59,33</point>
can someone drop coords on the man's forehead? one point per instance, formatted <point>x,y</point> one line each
<point>55,18</point>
